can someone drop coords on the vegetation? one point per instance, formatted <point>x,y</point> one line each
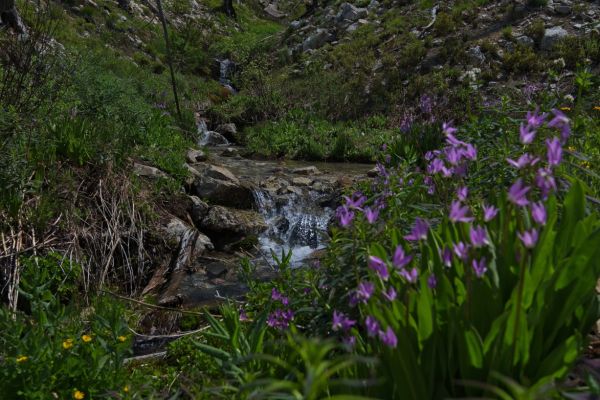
<point>466,267</point>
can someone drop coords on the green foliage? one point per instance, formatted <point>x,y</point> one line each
<point>55,350</point>
<point>444,24</point>
<point>522,60</point>
<point>536,30</point>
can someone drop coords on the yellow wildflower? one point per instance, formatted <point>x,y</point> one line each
<point>597,108</point>
<point>86,338</point>
<point>79,395</point>
<point>122,338</point>
<point>571,148</point>
<point>585,164</point>
<point>22,359</point>
<point>566,108</point>
<point>67,344</point>
<point>126,389</point>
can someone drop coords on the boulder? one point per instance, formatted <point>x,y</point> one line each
<point>229,220</point>
<point>219,186</point>
<point>199,210</point>
<point>350,13</point>
<point>301,181</point>
<point>475,55</point>
<point>229,131</point>
<point>552,36</point>
<point>273,12</point>
<point>230,152</point>
<point>148,171</point>
<point>317,40</point>
<point>211,138</point>
<point>193,156</point>
<point>176,231</point>
<point>525,41</point>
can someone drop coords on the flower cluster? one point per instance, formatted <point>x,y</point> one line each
<point>281,317</point>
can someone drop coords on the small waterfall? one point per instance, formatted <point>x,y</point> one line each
<point>295,223</point>
<point>226,70</point>
<point>209,138</point>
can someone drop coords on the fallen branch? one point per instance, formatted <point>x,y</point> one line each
<point>146,357</point>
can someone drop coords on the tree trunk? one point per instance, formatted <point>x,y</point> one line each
<point>228,8</point>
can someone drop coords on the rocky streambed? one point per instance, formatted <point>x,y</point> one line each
<point>244,208</point>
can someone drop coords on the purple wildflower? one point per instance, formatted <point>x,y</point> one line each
<point>554,151</point>
<point>371,214</point>
<point>545,181</point>
<point>341,321</point>
<point>372,326</point>
<point>478,236</point>
<point>390,294</point>
<point>517,193</point>
<point>447,257</point>
<point>470,152</point>
<point>356,201</point>
<point>562,123</point>
<point>462,193</point>
<point>461,250</point>
<point>378,265</point>
<point>432,281</point>
<point>489,213</point>
<point>388,337</point>
<point>345,216</point>
<point>529,238</point>
<point>277,296</point>
<point>411,276</point>
<point>535,120</point>
<point>349,341</point>
<point>527,133</point>
<point>363,293</point>
<point>449,130</point>
<point>280,319</point>
<point>480,267</point>
<point>419,230</point>
<point>523,161</point>
<point>401,259</point>
<point>538,213</point>
<point>459,213</point>
<point>243,315</point>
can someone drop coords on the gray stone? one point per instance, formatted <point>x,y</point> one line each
<point>562,9</point>
<point>301,181</point>
<point>211,138</point>
<point>350,13</point>
<point>199,210</point>
<point>176,230</point>
<point>310,170</point>
<point>228,130</point>
<point>230,152</point>
<point>525,41</point>
<point>219,186</point>
<point>552,36</point>
<point>228,220</point>
<point>295,25</point>
<point>193,156</point>
<point>148,171</point>
<point>476,55</point>
<point>317,40</point>
<point>273,12</point>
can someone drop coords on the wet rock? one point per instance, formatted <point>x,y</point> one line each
<point>199,210</point>
<point>215,270</point>
<point>211,138</point>
<point>230,152</point>
<point>222,220</point>
<point>194,156</point>
<point>301,181</point>
<point>219,186</point>
<point>148,171</point>
<point>295,190</point>
<point>229,131</point>
<point>372,173</point>
<point>552,36</point>
<point>310,170</point>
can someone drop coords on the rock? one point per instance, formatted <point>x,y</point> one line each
<point>215,270</point>
<point>219,186</point>
<point>373,5</point>
<point>194,156</point>
<point>295,190</point>
<point>317,40</point>
<point>228,130</point>
<point>525,41</point>
<point>553,36</point>
<point>230,152</point>
<point>199,210</point>
<point>562,9</point>
<point>373,172</point>
<point>301,181</point>
<point>310,170</point>
<point>176,230</point>
<point>273,12</point>
<point>295,25</point>
<point>211,138</point>
<point>350,13</point>
<point>476,55</point>
<point>228,220</point>
<point>148,171</point>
